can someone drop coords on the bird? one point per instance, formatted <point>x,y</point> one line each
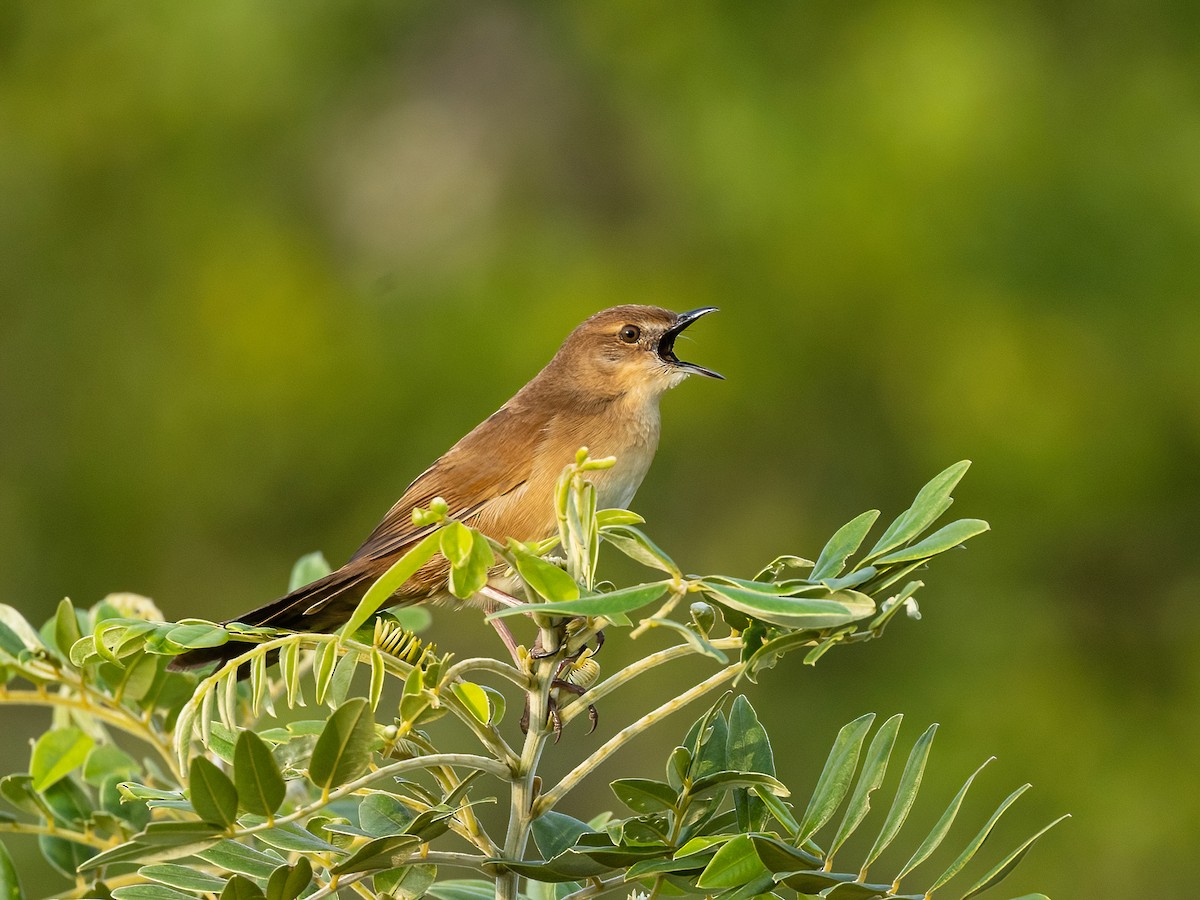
<point>601,390</point>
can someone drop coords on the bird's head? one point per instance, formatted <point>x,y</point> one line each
<point>631,349</point>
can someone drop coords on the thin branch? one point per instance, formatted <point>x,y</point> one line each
<point>97,708</point>
<point>487,664</point>
<point>76,837</point>
<point>622,737</point>
<point>633,670</point>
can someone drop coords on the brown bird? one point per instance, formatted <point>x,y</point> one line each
<point>601,390</point>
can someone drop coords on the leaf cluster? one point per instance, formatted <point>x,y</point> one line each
<point>313,763</point>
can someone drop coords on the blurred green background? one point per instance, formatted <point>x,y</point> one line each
<point>261,263</point>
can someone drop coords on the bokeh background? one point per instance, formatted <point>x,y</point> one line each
<point>261,263</point>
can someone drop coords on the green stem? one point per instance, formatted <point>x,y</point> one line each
<point>487,664</point>
<point>622,737</point>
<point>77,837</point>
<point>98,708</point>
<point>521,809</point>
<point>633,670</point>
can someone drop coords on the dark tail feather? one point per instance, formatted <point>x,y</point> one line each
<point>321,606</point>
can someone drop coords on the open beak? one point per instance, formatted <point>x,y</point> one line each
<point>666,344</point>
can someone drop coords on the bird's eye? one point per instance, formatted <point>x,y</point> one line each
<point>630,334</point>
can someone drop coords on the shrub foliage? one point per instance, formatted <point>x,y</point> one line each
<point>286,773</point>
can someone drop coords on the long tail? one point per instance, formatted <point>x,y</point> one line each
<point>320,606</point>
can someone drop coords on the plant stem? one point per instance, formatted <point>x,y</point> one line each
<point>487,664</point>
<point>633,670</point>
<point>521,811</point>
<point>622,737</point>
<point>76,837</point>
<point>98,708</point>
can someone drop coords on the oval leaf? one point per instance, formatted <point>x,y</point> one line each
<point>214,798</point>
<point>56,754</point>
<point>344,748</point>
<point>260,786</point>
<point>547,579</point>
<point>474,698</point>
<point>308,569</point>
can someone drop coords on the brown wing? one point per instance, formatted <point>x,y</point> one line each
<point>497,457</point>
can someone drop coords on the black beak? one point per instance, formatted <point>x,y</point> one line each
<point>666,344</point>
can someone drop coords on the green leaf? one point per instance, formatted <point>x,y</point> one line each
<point>608,518</point>
<point>214,797</point>
<point>906,793</point>
<point>637,546</point>
<point>555,832</point>
<point>382,814</point>
<point>841,608</point>
<point>379,853</point>
<point>939,542</point>
<point>260,786</point>
<point>999,871</point>
<point>976,842</point>
<point>343,677</point>
<point>323,669</point>
<point>158,842</point>
<point>474,698</point>
<point>240,887</point>
<point>235,857</point>
<point>835,777</point>
<point>10,885</point>
<point>186,878</point>
<point>548,580</point>
<point>468,577</point>
<point>66,628</point>
<point>141,673</point>
<point>106,760</point>
<point>16,634</point>
<point>497,704</point>
<point>463,889</point>
<point>777,808</point>
<point>931,501</point>
<point>645,795</point>
<point>405,882</point>
<point>694,639</point>
<point>735,864</point>
<point>456,542</point>
<point>390,581</point>
<point>343,750</point>
<point>873,770</point>
<point>149,892</point>
<point>678,764</point>
<point>723,781</point>
<point>616,603</point>
<point>56,754</point>
<point>748,749</point>
<point>197,635</point>
<point>307,569</point>
<point>294,839</point>
<point>938,834</point>
<point>845,541</point>
<point>289,882</point>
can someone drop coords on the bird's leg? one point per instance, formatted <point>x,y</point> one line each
<point>574,626</point>
<point>577,690</point>
<point>495,599</point>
